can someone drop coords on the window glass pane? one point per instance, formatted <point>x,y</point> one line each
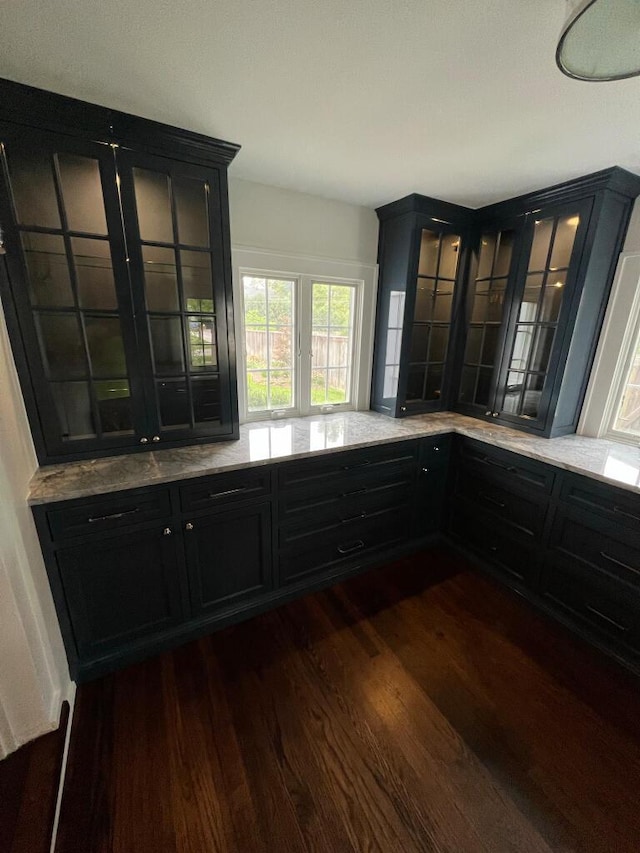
<point>485,261</point>
<point>337,382</point>
<point>160,278</point>
<point>563,241</point>
<point>540,247</point>
<point>114,405</point>
<point>73,405</point>
<point>627,417</point>
<point>82,193</point>
<point>331,342</point>
<point>33,188</point>
<point>191,210</point>
<point>94,273</point>
<point>173,402</point>
<point>196,281</point>
<point>153,205</point>
<point>318,387</point>
<point>429,245</point>
<point>257,390</point>
<point>280,302</point>
<point>281,346</point>
<point>64,354</point>
<point>341,306</point>
<point>48,271</point>
<point>166,340</point>
<point>106,349</point>
<point>280,389</point>
<point>449,256</point>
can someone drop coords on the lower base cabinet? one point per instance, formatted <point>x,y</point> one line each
<point>139,571</point>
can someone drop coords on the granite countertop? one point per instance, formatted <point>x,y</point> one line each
<point>294,438</point>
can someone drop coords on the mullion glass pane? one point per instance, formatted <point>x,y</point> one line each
<point>197,287</point>
<point>64,352</point>
<point>473,346</point>
<point>513,392</point>
<point>439,343</point>
<point>173,403</point>
<point>424,300</point>
<point>503,255</point>
<point>563,241</point>
<point>415,382</point>
<point>82,193</point>
<point>94,273</point>
<point>485,260</point>
<point>449,251</point>
<point>495,302</point>
<point>490,344</point>
<point>160,278</point>
<point>153,205</point>
<point>191,211</point>
<point>419,342</point>
<point>429,247</point>
<point>33,188</point>
<point>532,394</point>
<point>114,405</point>
<point>522,347</point>
<point>540,246</point>
<point>48,270</point>
<point>433,385</point>
<point>483,388</point>
<point>627,417</point>
<point>542,350</point>
<point>467,384</point>
<point>206,399</point>
<point>167,345</point>
<point>106,347</point>
<point>73,406</point>
<point>552,299</point>
<point>203,351</point>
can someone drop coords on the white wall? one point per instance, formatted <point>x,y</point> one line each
<point>296,223</point>
<point>34,678</point>
<point>632,241</point>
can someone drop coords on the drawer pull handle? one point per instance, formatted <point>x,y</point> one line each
<point>350,549</point>
<point>353,518</point>
<point>491,500</point>
<point>113,517</point>
<point>626,514</point>
<point>357,465</point>
<point>596,612</point>
<point>618,563</point>
<point>351,494</point>
<point>213,495</point>
<point>509,468</point>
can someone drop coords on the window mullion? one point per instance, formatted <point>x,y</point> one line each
<point>304,360</point>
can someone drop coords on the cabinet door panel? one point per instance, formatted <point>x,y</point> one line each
<point>229,557</point>
<point>121,589</point>
<point>173,223</point>
<point>69,282</point>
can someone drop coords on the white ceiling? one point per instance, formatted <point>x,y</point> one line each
<point>359,100</point>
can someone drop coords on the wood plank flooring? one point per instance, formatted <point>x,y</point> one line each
<point>418,707</point>
<point>29,781</point>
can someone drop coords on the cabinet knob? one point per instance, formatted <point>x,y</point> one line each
<point>166,531</point>
<point>144,440</point>
<point>156,438</point>
<point>188,526</point>
<point>495,414</point>
<point>425,470</point>
<point>488,413</point>
<point>403,408</point>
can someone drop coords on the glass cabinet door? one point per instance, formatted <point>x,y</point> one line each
<point>67,267</point>
<point>537,315</point>
<point>487,295</point>
<point>433,313</point>
<point>172,223</point>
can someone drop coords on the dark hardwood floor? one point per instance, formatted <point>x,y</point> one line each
<point>29,782</point>
<point>418,707</point>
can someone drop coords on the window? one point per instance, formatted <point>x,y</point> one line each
<point>612,404</point>
<point>299,342</point>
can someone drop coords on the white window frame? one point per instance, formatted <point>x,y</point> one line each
<point>305,270</point>
<point>618,340</point>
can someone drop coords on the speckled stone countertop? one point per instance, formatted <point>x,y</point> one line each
<point>268,441</point>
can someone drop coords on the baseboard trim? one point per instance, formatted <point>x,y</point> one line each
<point>71,699</point>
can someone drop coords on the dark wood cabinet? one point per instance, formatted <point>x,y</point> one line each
<point>228,557</point>
<point>523,315</point>
<point>122,590</point>
<point>422,253</point>
<point>116,280</point>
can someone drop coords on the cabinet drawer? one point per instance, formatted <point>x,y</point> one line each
<point>107,513</point>
<point>352,487</point>
<point>321,552</point>
<point>524,513</point>
<point>480,532</point>
<point>317,476</point>
<point>340,511</point>
<point>616,505</point>
<point>225,488</point>
<point>506,467</point>
<point>610,606</point>
<point>590,540</point>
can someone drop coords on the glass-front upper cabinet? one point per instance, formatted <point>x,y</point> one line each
<point>67,267</point>
<point>117,294</point>
<point>422,257</point>
<point>174,237</point>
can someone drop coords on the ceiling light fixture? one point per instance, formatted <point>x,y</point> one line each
<point>600,40</point>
